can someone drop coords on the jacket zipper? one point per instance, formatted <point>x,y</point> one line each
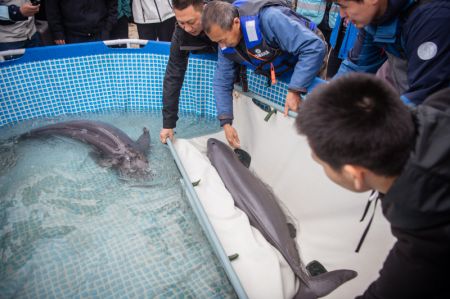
<point>157,10</point>
<point>143,12</point>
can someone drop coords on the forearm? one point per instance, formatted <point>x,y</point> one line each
<point>173,82</point>
<point>173,79</point>
<point>415,267</point>
<point>223,89</point>
<point>308,66</point>
<point>10,14</point>
<point>305,48</point>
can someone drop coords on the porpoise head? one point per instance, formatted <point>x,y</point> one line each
<point>134,165</point>
<point>216,148</point>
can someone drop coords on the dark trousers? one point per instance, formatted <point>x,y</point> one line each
<point>78,38</point>
<point>157,31</point>
<point>120,30</point>
<point>44,31</point>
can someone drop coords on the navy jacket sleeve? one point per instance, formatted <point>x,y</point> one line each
<point>173,79</point>
<point>301,42</point>
<point>427,46</point>
<point>223,88</point>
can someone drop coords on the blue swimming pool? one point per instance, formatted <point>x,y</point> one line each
<point>69,81</point>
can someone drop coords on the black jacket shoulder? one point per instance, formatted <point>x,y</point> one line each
<point>182,44</point>
<point>418,209</point>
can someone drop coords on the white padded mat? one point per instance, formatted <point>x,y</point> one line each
<point>328,215</point>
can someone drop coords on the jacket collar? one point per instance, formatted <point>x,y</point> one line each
<point>393,10</point>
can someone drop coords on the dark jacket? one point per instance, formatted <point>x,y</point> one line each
<point>418,209</point>
<point>181,45</point>
<point>415,38</point>
<point>81,17</point>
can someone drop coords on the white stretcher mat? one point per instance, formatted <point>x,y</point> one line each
<point>327,215</point>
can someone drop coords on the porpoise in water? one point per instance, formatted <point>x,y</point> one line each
<point>257,200</point>
<point>113,147</point>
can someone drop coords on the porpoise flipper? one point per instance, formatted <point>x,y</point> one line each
<point>103,160</point>
<point>243,156</point>
<point>323,284</point>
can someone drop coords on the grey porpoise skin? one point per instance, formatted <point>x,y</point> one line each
<point>255,199</point>
<point>113,147</point>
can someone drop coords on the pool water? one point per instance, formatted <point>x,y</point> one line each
<point>70,228</point>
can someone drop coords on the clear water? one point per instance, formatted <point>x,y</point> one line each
<point>71,229</point>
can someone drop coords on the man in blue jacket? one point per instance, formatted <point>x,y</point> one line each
<point>268,37</point>
<point>411,35</point>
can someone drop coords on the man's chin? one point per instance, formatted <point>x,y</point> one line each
<point>359,25</point>
<point>195,33</point>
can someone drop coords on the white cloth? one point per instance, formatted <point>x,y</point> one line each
<point>262,270</point>
<point>152,11</point>
<point>328,216</point>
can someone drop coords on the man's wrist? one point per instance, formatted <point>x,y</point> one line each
<point>300,91</point>
<point>224,122</point>
<point>15,13</point>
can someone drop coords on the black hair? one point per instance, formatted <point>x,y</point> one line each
<point>183,4</point>
<point>219,13</point>
<point>358,119</point>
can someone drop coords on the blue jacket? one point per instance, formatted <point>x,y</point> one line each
<point>418,35</point>
<point>306,51</point>
<point>351,32</point>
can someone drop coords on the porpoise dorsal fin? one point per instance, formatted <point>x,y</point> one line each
<point>143,141</point>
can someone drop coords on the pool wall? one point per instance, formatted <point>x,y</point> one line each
<point>91,77</point>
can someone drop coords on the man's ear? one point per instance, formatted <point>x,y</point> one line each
<point>357,175</point>
<point>373,2</point>
<point>236,21</point>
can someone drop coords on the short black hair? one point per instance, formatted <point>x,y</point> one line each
<point>358,119</point>
<point>183,4</point>
<point>220,13</point>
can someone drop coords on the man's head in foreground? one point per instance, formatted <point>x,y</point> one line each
<point>358,130</point>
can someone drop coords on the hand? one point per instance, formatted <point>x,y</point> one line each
<point>60,42</point>
<point>29,10</point>
<point>164,134</point>
<point>293,100</point>
<point>232,136</point>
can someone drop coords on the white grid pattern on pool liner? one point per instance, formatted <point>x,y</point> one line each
<point>110,82</point>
